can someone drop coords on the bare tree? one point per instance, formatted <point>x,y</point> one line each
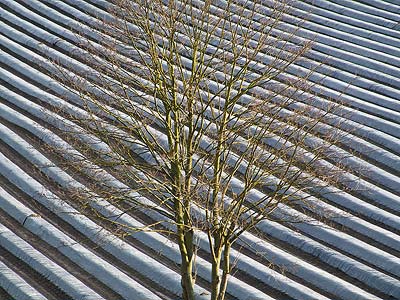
<point>199,114</point>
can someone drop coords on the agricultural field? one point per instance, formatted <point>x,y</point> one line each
<point>347,246</point>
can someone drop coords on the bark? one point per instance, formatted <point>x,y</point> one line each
<point>215,272</point>
<point>187,281</point>
<point>226,269</point>
<point>185,241</point>
<point>215,279</point>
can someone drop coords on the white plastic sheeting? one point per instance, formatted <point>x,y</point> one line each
<point>36,260</point>
<point>109,274</point>
<point>362,41</point>
<point>16,118</point>
<point>17,287</point>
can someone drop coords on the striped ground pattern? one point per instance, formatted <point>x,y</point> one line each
<point>46,253</point>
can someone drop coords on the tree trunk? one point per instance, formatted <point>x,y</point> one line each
<point>215,276</point>
<point>226,269</point>
<point>187,281</point>
<point>219,282</point>
<point>185,241</point>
